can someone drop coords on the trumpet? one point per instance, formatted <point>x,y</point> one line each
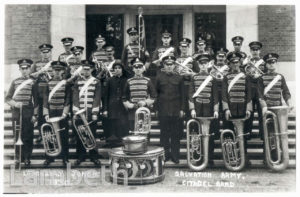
<point>51,137</point>
<point>276,141</point>
<point>84,132</point>
<point>197,143</point>
<point>19,143</point>
<point>232,143</point>
<point>142,121</point>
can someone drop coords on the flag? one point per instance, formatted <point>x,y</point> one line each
<point>141,29</point>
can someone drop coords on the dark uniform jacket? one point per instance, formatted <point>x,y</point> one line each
<point>238,99</point>
<point>59,102</point>
<point>275,94</point>
<point>27,95</point>
<point>170,90</point>
<point>113,102</point>
<point>207,101</point>
<point>62,57</point>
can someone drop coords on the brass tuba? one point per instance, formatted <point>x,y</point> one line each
<point>276,140</point>
<point>84,132</point>
<point>197,143</point>
<point>51,137</point>
<point>142,121</point>
<point>232,143</point>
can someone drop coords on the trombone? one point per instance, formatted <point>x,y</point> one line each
<point>19,141</point>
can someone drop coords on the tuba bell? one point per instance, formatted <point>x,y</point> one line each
<point>197,143</point>
<point>142,121</point>
<point>232,143</point>
<point>51,137</point>
<point>84,132</point>
<point>276,139</point>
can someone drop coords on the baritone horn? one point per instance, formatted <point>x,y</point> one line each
<point>276,137</point>
<point>232,143</point>
<point>142,121</point>
<point>84,132</point>
<point>51,137</point>
<point>198,142</point>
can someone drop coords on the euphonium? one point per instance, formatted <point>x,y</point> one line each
<point>19,142</point>
<point>84,132</point>
<point>276,138</point>
<point>232,143</point>
<point>51,137</point>
<point>142,122</point>
<point>197,143</point>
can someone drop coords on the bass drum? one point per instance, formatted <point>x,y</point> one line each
<point>137,169</point>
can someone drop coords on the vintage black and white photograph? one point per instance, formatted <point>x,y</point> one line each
<point>162,97</point>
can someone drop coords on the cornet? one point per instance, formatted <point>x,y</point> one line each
<point>197,143</point>
<point>232,143</point>
<point>51,137</point>
<point>183,69</point>
<point>84,132</point>
<point>276,139</point>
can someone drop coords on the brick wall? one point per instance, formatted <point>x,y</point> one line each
<point>26,27</point>
<point>276,30</point>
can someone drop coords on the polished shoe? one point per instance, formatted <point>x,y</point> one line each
<point>27,162</point>
<point>96,162</point>
<point>39,140</point>
<point>47,162</point>
<point>176,161</point>
<point>78,162</point>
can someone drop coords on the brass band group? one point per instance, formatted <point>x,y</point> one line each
<point>213,94</point>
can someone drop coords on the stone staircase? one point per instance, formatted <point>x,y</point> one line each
<point>254,151</point>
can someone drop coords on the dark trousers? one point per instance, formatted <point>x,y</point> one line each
<point>118,128</point>
<point>26,137</point>
<point>249,122</point>
<point>170,135</point>
<point>80,150</point>
<point>105,126</point>
<point>41,119</point>
<point>64,137</point>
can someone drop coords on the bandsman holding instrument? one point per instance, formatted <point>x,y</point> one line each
<point>273,89</point>
<point>237,104</point>
<point>57,97</point>
<point>254,68</point>
<point>22,97</point>
<point>170,105</point>
<point>41,71</point>
<point>133,50</point>
<point>67,55</point>
<point>99,56</point>
<point>201,48</point>
<point>138,92</point>
<point>206,103</point>
<point>86,98</point>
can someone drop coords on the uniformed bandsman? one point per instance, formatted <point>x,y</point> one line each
<point>237,42</point>
<point>272,85</point>
<point>255,48</point>
<point>56,103</point>
<point>170,105</point>
<point>201,48</point>
<point>138,91</point>
<point>206,104</point>
<point>99,56</point>
<point>236,94</point>
<point>65,56</point>
<point>42,78</point>
<point>113,105</point>
<point>22,96</point>
<point>132,51</point>
<point>88,99</point>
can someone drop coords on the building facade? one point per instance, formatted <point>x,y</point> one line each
<point>28,26</point>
